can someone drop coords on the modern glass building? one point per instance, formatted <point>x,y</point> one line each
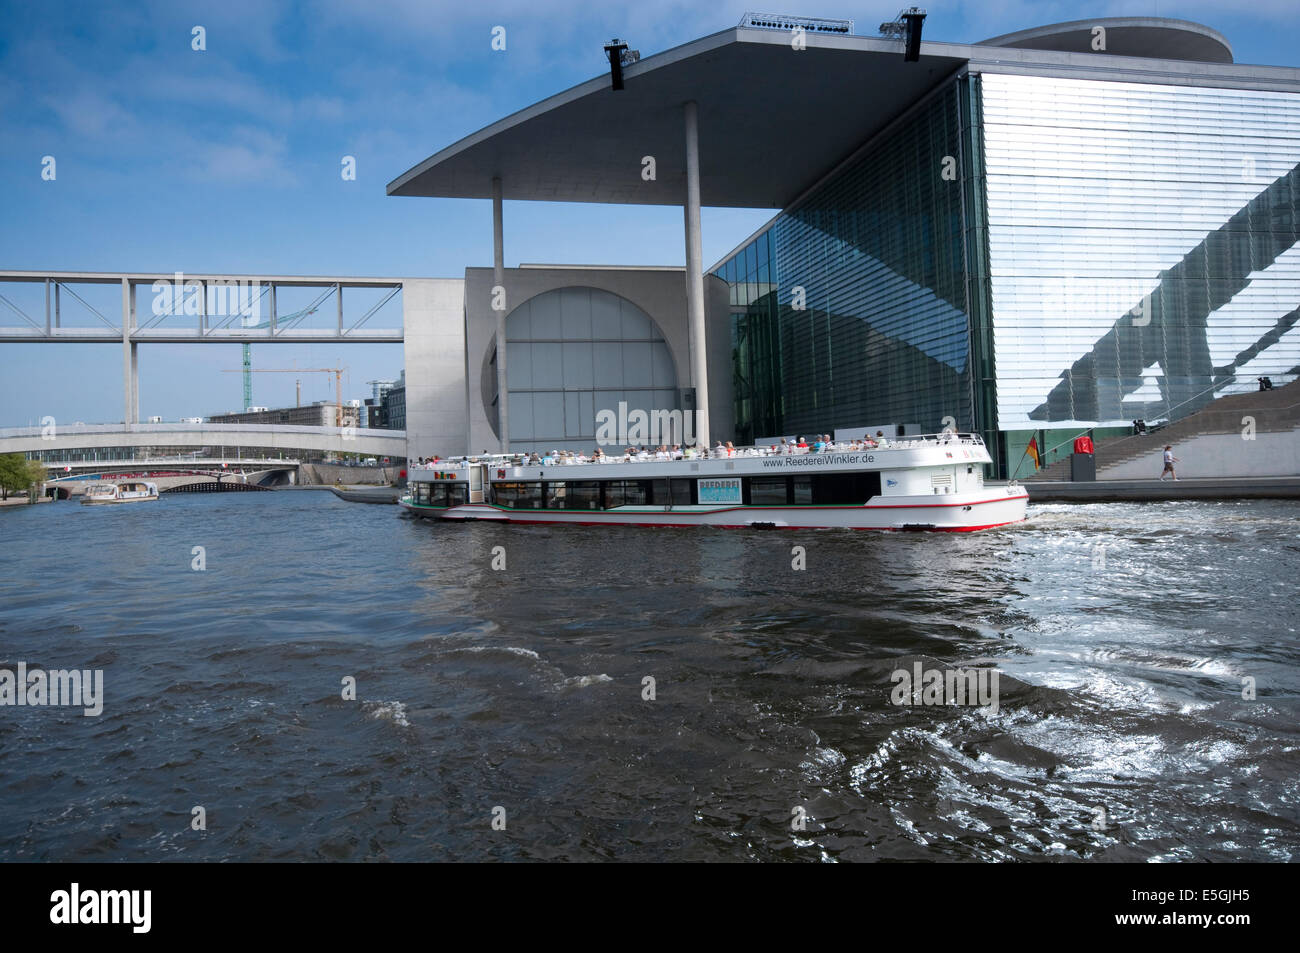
<point>851,307</point>
<point>1051,232</point>
<point>1030,254</point>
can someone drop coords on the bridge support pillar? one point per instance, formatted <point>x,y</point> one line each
<point>130,359</point>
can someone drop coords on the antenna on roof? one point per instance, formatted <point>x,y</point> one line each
<point>616,50</point>
<point>782,21</point>
<point>907,26</point>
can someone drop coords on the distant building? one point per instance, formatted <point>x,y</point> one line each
<point>392,406</point>
<point>320,414</point>
<point>379,388</point>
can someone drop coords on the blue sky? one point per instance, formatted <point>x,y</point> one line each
<point>228,160</point>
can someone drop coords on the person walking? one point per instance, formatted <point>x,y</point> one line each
<point>1170,460</point>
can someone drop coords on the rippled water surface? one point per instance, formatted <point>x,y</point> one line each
<point>1122,634</point>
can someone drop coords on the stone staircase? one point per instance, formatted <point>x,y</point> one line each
<point>1274,411</point>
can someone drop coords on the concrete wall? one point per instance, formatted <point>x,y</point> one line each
<point>659,292</point>
<point>1219,455</point>
<point>328,474</point>
<point>433,316</point>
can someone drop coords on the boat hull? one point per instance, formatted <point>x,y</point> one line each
<point>957,513</point>
<point>105,502</point>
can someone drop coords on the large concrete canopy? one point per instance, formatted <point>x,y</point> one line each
<point>772,120</point>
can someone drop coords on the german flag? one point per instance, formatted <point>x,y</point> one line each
<point>1032,450</point>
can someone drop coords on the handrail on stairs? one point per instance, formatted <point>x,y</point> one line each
<point>1114,443</point>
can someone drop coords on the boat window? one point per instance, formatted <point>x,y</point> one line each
<point>626,493</point>
<point>582,496</point>
<point>457,494</point>
<point>682,492</point>
<point>520,496</point>
<point>803,494</point>
<point>767,491</point>
<point>556,498</point>
<point>851,488</point>
<point>422,493</point>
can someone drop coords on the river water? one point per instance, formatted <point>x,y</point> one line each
<point>1123,636</point>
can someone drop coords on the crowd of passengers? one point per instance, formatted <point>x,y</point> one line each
<point>821,443</point>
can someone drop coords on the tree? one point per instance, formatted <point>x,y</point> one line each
<point>36,476</point>
<point>10,476</point>
<point>17,473</point>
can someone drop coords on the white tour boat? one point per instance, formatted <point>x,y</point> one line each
<point>128,491</point>
<point>930,482</point>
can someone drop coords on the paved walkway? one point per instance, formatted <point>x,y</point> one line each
<point>1223,488</point>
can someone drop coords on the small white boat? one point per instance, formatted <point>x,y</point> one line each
<point>128,491</point>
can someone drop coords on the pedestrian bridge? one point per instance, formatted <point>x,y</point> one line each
<point>293,441</point>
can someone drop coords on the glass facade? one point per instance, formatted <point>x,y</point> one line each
<point>850,308</point>
<point>573,352</point>
<point>1142,246</point>
<point>1030,253</point>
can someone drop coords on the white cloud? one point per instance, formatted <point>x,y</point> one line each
<point>254,157</point>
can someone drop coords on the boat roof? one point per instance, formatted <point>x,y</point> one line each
<point>922,450</point>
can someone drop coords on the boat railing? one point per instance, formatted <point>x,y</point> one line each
<point>909,442</point>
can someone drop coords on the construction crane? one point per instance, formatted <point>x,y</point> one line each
<point>336,371</point>
<point>282,321</point>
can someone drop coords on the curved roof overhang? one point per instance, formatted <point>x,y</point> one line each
<point>772,120</point>
<point>1151,37</point>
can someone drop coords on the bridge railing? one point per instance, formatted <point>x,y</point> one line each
<point>58,430</point>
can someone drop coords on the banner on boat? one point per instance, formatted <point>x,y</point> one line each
<point>724,490</point>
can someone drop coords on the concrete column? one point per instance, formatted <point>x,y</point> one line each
<point>128,358</point>
<point>695,277</point>
<point>135,363</point>
<point>499,281</point>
